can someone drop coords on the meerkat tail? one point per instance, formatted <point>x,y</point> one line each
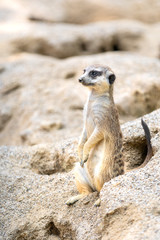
<point>149,145</point>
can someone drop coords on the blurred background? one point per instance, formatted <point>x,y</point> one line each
<point>44,46</point>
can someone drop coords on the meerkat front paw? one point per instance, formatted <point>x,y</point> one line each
<point>85,158</point>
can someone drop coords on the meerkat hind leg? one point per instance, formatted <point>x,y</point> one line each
<point>84,190</point>
<point>74,199</point>
<point>82,183</point>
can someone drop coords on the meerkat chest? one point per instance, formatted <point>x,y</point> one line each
<point>89,120</point>
<point>95,112</point>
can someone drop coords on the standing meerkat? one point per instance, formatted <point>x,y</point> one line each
<point>100,145</point>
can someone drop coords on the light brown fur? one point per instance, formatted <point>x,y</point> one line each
<point>100,145</point>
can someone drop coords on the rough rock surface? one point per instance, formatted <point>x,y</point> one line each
<point>37,94</point>
<point>33,205</point>
<point>66,40</point>
<point>49,159</point>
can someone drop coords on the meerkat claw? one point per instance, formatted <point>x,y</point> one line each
<point>82,163</point>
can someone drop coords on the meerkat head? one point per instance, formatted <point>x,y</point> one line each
<point>98,78</point>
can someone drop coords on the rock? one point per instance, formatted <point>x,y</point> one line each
<point>48,105</point>
<point>48,125</point>
<point>134,214</point>
<point>66,40</point>
<point>12,10</point>
<point>131,86</point>
<point>51,159</point>
<point>41,105</point>
<point>33,205</point>
<point>80,12</point>
<point>1,69</point>
<point>134,141</point>
<point>11,87</point>
<point>35,112</point>
<point>5,116</point>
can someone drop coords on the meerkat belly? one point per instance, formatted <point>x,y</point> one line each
<point>94,161</point>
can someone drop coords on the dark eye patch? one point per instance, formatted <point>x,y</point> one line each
<point>95,74</point>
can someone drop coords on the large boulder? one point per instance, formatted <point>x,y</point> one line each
<point>41,100</point>
<point>35,103</point>
<point>66,40</point>
<point>80,11</point>
<point>33,203</point>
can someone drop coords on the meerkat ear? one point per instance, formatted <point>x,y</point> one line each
<point>111,78</point>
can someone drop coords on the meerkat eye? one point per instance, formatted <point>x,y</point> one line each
<point>94,73</point>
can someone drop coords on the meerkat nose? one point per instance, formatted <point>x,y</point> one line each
<point>80,80</point>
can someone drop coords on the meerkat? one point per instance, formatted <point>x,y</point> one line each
<point>100,146</point>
